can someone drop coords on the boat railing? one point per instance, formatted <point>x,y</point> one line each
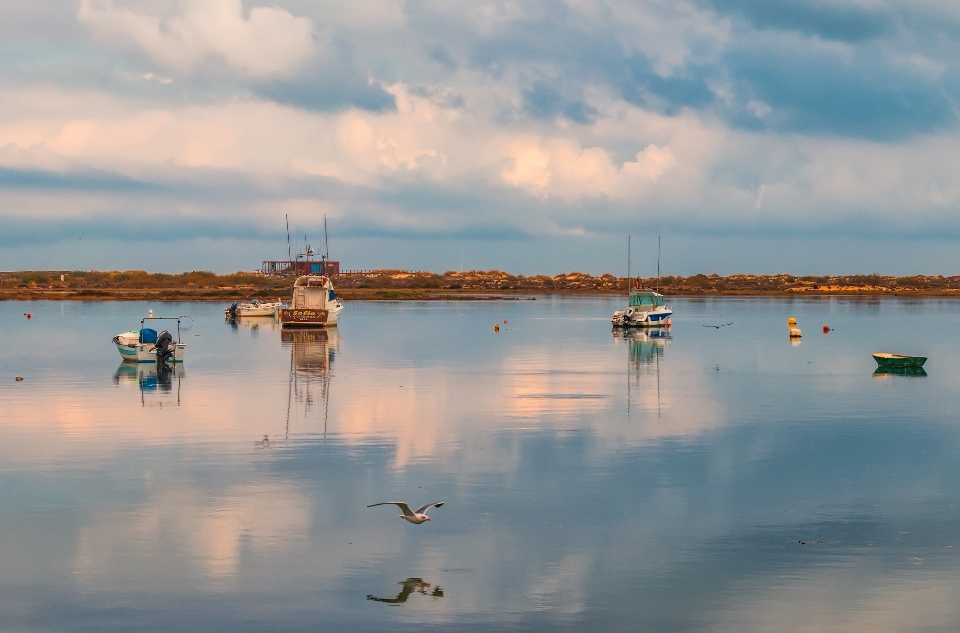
<point>176,318</point>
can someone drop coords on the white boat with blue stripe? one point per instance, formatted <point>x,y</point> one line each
<point>148,346</point>
<point>646,309</point>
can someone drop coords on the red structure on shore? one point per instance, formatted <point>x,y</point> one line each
<point>301,267</point>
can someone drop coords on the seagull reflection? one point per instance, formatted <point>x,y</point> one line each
<point>409,586</point>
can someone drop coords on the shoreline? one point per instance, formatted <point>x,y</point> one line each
<point>404,294</point>
<point>474,285</point>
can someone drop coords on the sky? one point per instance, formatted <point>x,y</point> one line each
<point>533,136</point>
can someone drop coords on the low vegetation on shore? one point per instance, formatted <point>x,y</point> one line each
<point>398,284</point>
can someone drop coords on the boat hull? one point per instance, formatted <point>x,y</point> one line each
<point>258,309</point>
<point>146,352</point>
<point>654,318</point>
<point>309,317</point>
<point>897,360</point>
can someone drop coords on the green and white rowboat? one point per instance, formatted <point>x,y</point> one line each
<point>898,360</point>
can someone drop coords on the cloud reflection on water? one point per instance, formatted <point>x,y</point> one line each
<point>186,525</point>
<point>563,511</point>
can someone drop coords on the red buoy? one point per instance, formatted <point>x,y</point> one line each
<point>29,316</point>
<point>826,328</point>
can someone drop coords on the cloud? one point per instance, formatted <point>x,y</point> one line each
<point>157,78</point>
<point>539,122</point>
<point>788,83</point>
<point>269,41</point>
<point>559,167</point>
<point>845,21</point>
<point>545,102</point>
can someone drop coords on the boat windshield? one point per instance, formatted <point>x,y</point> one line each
<point>645,299</point>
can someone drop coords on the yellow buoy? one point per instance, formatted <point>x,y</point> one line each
<point>496,327</point>
<point>791,322</point>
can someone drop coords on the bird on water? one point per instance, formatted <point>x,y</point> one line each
<point>417,516</point>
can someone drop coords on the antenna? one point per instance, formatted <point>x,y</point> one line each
<point>658,263</point>
<point>289,252</point>
<point>628,263</point>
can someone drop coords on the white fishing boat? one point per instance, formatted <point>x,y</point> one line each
<point>254,307</point>
<point>646,309</point>
<point>314,304</point>
<point>646,306</point>
<point>148,346</point>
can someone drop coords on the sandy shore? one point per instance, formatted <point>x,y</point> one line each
<point>394,285</point>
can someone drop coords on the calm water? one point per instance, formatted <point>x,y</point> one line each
<point>592,481</point>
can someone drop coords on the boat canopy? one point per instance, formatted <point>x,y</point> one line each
<point>310,281</point>
<point>645,299</point>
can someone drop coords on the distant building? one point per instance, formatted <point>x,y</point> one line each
<point>329,268</point>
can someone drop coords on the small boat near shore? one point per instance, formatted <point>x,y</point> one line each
<point>254,307</point>
<point>314,304</point>
<point>886,360</point>
<point>148,346</point>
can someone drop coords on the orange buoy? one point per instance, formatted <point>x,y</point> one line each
<point>496,327</point>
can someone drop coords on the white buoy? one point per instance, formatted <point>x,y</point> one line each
<point>150,314</point>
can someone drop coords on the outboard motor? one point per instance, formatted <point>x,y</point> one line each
<point>233,310</point>
<point>165,347</point>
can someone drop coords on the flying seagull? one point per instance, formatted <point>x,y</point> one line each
<point>417,516</point>
<point>719,326</point>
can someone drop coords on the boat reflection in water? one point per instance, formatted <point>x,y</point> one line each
<point>913,372</point>
<point>256,324</point>
<point>645,349</point>
<point>312,352</point>
<point>159,383</point>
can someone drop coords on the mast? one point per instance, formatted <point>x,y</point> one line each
<point>628,264</point>
<point>289,252</point>
<point>326,240</point>
<point>658,263</point>
<point>326,247</point>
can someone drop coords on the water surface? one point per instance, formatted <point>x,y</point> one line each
<point>706,480</point>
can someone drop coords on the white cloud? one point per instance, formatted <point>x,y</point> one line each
<point>269,41</point>
<point>157,78</point>
<point>561,167</point>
